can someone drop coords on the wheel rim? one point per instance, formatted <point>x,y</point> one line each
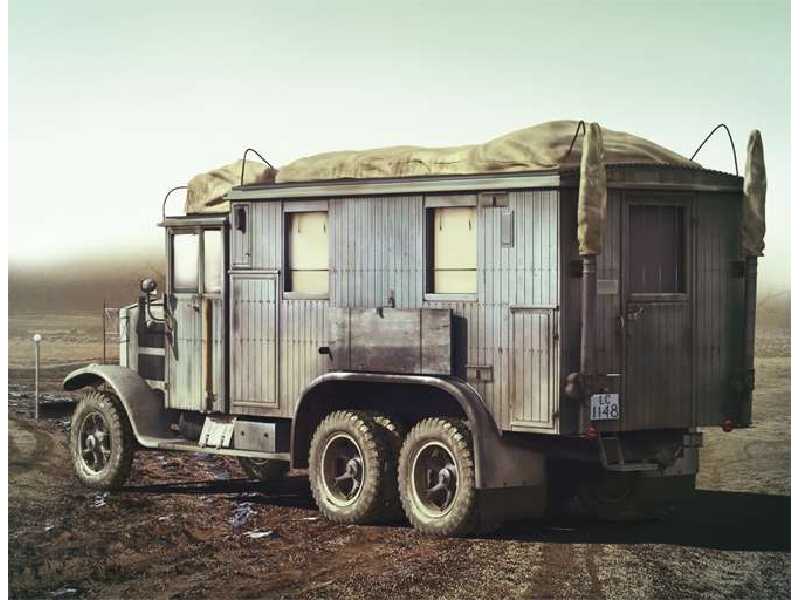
<point>94,440</point>
<point>342,469</point>
<point>434,479</point>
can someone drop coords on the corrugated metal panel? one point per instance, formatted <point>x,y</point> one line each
<point>254,347</point>
<point>534,371</point>
<point>525,274</point>
<point>378,251</point>
<point>304,328</point>
<point>658,326</point>
<point>261,245</point>
<point>658,367</point>
<point>218,350</point>
<point>377,247</point>
<point>719,308</point>
<point>185,378</point>
<point>609,334</point>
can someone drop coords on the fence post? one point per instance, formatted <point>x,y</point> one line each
<point>36,339</point>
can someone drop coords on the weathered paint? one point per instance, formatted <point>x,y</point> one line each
<point>378,254</point>
<point>676,366</point>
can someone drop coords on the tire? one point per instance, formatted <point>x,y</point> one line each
<point>101,441</point>
<point>264,469</point>
<point>394,431</point>
<point>438,452</point>
<point>352,447</point>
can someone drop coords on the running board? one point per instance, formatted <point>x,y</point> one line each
<point>627,467</point>
<point>184,445</point>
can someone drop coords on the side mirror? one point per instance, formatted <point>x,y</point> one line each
<point>148,286</point>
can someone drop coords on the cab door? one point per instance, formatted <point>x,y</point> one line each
<point>196,329</point>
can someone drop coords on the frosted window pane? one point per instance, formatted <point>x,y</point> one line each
<point>308,252</point>
<point>185,247</point>
<point>455,250</point>
<point>212,269</point>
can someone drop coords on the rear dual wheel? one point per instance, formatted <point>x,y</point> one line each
<point>357,459</point>
<point>352,467</point>
<point>437,478</point>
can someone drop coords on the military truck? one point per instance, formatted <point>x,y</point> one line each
<point>460,336</point>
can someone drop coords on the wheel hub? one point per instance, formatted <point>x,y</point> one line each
<point>435,479</point>
<point>95,443</point>
<point>342,469</point>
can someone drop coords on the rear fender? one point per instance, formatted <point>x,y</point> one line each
<point>499,463</point>
<point>149,419</point>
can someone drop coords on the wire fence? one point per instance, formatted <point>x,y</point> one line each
<point>111,337</point>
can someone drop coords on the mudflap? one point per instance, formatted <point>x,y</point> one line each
<point>497,506</point>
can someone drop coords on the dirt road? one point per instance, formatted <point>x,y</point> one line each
<point>171,533</point>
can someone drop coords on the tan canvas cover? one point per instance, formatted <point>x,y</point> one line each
<point>755,192</point>
<point>206,191</point>
<point>592,193</point>
<point>540,147</point>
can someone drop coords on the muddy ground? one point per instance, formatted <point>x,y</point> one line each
<point>180,528</point>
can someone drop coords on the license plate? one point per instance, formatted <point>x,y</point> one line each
<point>605,407</point>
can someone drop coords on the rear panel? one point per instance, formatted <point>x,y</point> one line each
<point>719,309</point>
<point>674,357</point>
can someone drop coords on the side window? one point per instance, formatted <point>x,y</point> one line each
<point>657,235</point>
<point>452,250</point>
<point>185,250</point>
<point>212,261</point>
<point>307,252</point>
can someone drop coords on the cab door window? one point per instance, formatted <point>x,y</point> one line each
<point>185,257</point>
<point>212,261</point>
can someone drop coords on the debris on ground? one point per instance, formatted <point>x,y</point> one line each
<point>258,535</point>
<point>241,514</point>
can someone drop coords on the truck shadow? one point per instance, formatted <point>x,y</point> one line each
<point>715,520</point>
<point>712,519</point>
<point>291,491</point>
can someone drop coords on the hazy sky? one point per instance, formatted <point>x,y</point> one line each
<point>113,103</point>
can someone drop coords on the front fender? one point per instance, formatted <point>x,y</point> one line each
<point>498,461</point>
<point>149,419</point>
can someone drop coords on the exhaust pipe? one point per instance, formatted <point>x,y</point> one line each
<point>591,226</point>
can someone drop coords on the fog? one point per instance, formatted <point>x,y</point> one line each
<point>112,104</point>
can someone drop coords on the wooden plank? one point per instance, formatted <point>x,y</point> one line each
<point>339,342</point>
<point>436,344</point>
<point>391,340</point>
<point>385,339</point>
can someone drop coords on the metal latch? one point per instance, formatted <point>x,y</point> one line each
<point>480,373</point>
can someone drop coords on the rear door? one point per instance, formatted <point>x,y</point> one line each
<point>657,299</point>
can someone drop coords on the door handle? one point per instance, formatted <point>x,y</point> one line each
<point>635,314</point>
<point>630,314</point>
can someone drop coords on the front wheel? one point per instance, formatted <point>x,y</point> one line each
<point>437,478</point>
<point>101,441</point>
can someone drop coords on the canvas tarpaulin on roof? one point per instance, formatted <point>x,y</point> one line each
<point>205,192</point>
<point>540,147</point>
<point>592,193</point>
<point>755,192</point>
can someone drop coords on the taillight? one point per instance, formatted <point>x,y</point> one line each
<point>727,425</point>
<point>591,433</point>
